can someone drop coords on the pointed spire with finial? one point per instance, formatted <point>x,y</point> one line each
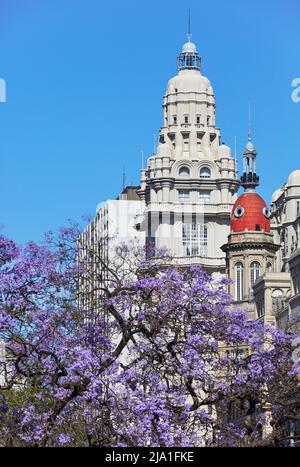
<point>249,122</point>
<point>249,179</point>
<point>189,34</point>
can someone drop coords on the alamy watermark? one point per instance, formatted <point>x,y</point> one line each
<point>296,92</point>
<point>2,90</point>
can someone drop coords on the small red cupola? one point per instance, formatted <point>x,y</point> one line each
<point>250,213</point>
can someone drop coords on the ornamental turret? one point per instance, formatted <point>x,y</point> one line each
<point>189,59</point>
<point>190,183</point>
<point>249,179</point>
<point>250,249</point>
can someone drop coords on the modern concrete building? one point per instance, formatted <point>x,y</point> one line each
<point>113,225</point>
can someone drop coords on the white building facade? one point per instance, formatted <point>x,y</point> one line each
<point>190,184</point>
<point>277,293</point>
<point>187,192</point>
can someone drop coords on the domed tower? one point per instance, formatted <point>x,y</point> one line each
<point>250,250</point>
<point>190,184</point>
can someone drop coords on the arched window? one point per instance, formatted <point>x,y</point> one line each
<point>205,172</point>
<point>184,172</point>
<point>239,282</point>
<point>254,274</point>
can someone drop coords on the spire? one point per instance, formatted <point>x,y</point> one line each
<point>249,179</point>
<point>189,59</point>
<point>249,122</point>
<point>189,35</point>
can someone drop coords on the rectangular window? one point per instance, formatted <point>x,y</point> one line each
<point>175,119</point>
<point>198,119</point>
<point>239,282</point>
<point>183,196</point>
<point>204,197</point>
<point>194,240</point>
<point>186,119</point>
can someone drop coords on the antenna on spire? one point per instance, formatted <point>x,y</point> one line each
<point>189,35</point>
<point>249,122</point>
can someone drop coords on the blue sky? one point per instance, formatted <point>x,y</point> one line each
<point>85,81</point>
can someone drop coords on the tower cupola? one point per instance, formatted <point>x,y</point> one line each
<point>189,58</point>
<point>249,179</point>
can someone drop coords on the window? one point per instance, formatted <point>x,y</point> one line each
<point>184,172</point>
<point>277,293</point>
<point>204,197</point>
<point>183,196</point>
<point>269,267</point>
<point>239,282</point>
<point>205,172</point>
<point>175,119</point>
<point>198,119</point>
<point>254,274</point>
<point>194,240</point>
<point>208,120</point>
<point>239,211</point>
<point>186,119</point>
<point>298,208</point>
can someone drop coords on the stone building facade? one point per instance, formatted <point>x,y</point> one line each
<point>187,201</point>
<point>277,294</point>
<point>190,184</point>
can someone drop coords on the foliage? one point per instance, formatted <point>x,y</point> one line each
<point>135,353</point>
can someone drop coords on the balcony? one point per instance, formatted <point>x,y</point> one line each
<point>205,261</point>
<point>185,126</point>
<point>190,206</point>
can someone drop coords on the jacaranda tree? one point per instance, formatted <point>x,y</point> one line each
<point>135,353</point>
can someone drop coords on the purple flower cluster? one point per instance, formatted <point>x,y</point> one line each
<point>162,359</point>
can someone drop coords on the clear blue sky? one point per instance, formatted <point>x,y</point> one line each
<point>85,80</point>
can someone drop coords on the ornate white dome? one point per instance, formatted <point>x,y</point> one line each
<point>294,178</point>
<point>276,194</point>
<point>189,81</point>
<point>189,47</point>
<point>224,151</point>
<point>250,146</point>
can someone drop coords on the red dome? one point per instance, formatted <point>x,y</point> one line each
<point>250,212</point>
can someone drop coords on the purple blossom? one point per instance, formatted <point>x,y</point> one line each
<point>163,359</point>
